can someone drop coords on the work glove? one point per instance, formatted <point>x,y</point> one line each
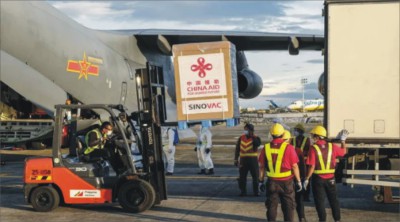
<point>261,186</point>
<point>305,184</point>
<point>195,149</point>
<point>236,163</point>
<point>342,135</point>
<point>299,186</point>
<point>208,150</point>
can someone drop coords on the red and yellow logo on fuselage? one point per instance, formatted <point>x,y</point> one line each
<point>83,67</point>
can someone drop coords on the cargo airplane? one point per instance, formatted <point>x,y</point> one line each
<point>46,57</point>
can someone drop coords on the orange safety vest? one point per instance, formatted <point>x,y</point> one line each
<point>276,172</point>
<point>246,147</point>
<point>325,164</point>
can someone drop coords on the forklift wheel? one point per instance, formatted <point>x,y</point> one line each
<point>136,196</point>
<point>44,198</point>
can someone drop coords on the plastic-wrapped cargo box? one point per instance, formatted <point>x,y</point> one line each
<point>206,81</point>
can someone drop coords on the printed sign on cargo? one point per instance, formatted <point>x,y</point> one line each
<point>202,75</point>
<point>204,106</point>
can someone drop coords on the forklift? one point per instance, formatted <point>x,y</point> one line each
<point>116,177</point>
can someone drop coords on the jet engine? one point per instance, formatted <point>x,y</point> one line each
<point>321,84</point>
<point>250,83</point>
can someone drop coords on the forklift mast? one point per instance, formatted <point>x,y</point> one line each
<point>151,114</point>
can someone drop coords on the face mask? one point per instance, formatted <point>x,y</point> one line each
<point>312,140</point>
<point>109,133</point>
<point>246,132</point>
<point>296,133</point>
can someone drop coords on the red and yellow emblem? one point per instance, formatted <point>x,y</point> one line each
<point>83,67</point>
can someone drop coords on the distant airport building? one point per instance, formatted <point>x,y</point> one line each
<point>251,109</point>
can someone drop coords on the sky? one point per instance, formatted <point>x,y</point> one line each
<point>281,72</point>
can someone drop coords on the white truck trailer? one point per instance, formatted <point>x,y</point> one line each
<point>362,89</point>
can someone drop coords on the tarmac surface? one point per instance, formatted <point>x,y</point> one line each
<point>191,197</point>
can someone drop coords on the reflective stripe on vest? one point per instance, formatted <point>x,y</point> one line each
<point>325,169</point>
<point>246,147</point>
<point>90,149</point>
<point>276,173</point>
<point>302,143</point>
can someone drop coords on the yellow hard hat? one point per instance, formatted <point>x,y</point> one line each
<point>286,135</point>
<point>277,129</point>
<point>300,127</point>
<point>319,130</point>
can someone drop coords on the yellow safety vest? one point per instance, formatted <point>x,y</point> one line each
<point>325,169</point>
<point>302,143</point>
<point>276,173</point>
<point>246,147</point>
<point>90,149</point>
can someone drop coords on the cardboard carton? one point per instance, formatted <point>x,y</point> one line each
<point>206,81</point>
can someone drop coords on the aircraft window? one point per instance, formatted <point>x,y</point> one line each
<point>34,124</point>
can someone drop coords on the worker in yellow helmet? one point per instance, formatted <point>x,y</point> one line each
<point>299,140</point>
<point>303,144</point>
<point>321,161</point>
<point>286,136</point>
<point>279,161</point>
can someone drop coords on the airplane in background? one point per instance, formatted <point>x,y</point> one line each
<point>275,108</point>
<point>273,104</point>
<point>309,105</point>
<point>46,57</point>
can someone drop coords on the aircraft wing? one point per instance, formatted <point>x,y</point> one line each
<point>244,41</point>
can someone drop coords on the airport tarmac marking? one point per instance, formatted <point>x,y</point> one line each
<point>8,176</point>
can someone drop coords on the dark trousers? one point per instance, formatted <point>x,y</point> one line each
<point>96,154</point>
<point>321,188</point>
<point>306,193</point>
<point>248,164</point>
<point>283,191</point>
<point>299,196</point>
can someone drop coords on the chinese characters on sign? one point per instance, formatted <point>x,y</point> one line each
<point>202,75</point>
<point>205,79</point>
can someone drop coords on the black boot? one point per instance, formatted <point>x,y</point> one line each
<point>210,171</point>
<point>202,171</point>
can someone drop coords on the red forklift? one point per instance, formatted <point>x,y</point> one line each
<point>72,179</point>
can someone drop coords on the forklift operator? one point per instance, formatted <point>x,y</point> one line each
<point>96,139</point>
